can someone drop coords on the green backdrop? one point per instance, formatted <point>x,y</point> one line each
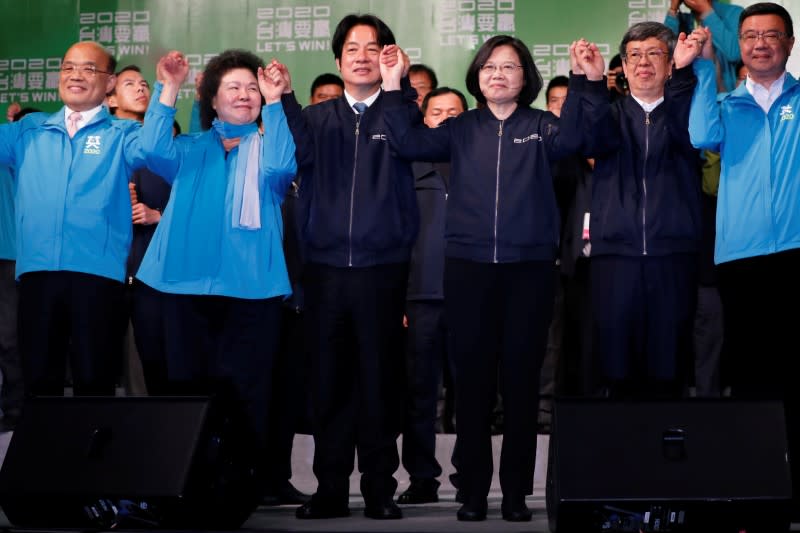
<point>443,34</point>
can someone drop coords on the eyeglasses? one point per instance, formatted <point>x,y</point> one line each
<point>89,71</point>
<point>769,37</point>
<point>653,56</point>
<point>506,68</point>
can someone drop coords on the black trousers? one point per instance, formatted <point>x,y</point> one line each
<point>760,349</point>
<point>498,317</point>
<point>12,388</point>
<point>426,357</point>
<point>224,345</point>
<point>69,316</point>
<point>643,310</point>
<point>149,334</point>
<point>355,316</point>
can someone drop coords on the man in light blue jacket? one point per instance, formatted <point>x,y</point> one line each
<point>73,214</point>
<point>756,129</point>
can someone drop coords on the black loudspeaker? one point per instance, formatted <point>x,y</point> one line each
<point>674,466</point>
<point>180,463</point>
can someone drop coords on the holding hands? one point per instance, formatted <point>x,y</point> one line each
<point>171,70</point>
<point>585,59</point>
<point>273,81</point>
<point>691,46</point>
<point>394,65</point>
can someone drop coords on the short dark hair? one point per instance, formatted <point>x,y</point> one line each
<point>385,35</point>
<point>645,30</point>
<point>419,67</point>
<point>768,8</point>
<point>558,81</point>
<point>111,60</point>
<point>212,77</point>
<point>128,68</point>
<point>326,79</point>
<point>439,91</point>
<point>615,62</point>
<point>533,80</point>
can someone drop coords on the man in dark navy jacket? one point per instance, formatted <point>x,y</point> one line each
<point>149,196</point>
<point>645,216</point>
<point>362,221</point>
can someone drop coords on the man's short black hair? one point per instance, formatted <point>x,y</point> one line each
<point>768,8</point>
<point>127,68</point>
<point>439,91</point>
<point>385,35</point>
<point>558,81</point>
<point>419,67</point>
<point>326,79</point>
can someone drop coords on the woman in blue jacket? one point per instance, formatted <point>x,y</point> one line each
<point>502,236</point>
<point>217,254</point>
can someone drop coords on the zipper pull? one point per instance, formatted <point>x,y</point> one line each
<point>358,123</point>
<point>647,118</point>
<point>500,131</point>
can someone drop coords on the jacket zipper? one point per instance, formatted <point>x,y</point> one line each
<point>353,194</point>
<point>497,187</point>
<point>644,181</point>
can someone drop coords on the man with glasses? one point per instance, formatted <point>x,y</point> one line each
<point>645,211</point>
<point>756,128</point>
<point>73,228</point>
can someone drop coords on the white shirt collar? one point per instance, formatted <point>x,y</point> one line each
<point>765,97</point>
<point>86,116</point>
<point>648,107</point>
<point>369,100</point>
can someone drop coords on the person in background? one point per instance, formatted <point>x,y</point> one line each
<point>757,252</point>
<point>149,195</point>
<point>722,18</point>
<point>427,333</point>
<point>423,79</point>
<point>326,87</point>
<point>616,81</point>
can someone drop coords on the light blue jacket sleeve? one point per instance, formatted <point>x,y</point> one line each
<point>158,144</point>
<point>277,150</point>
<point>705,125</point>
<point>725,31</point>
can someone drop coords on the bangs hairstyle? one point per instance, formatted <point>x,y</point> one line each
<point>384,34</point>
<point>533,80</point>
<point>212,77</point>
<point>645,30</point>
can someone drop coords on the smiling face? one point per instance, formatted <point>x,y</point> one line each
<point>764,60</point>
<point>647,76</point>
<point>359,64</point>
<point>238,98</point>
<point>498,85</point>
<point>131,95</point>
<point>81,91</point>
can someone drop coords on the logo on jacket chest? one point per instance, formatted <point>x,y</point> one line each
<point>787,113</point>
<point>92,145</point>
<point>531,137</point>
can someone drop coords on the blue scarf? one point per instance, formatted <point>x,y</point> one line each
<point>246,198</point>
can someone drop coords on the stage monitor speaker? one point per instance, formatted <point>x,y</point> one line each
<point>673,466</point>
<point>171,462</point>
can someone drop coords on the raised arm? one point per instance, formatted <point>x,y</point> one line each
<point>156,136</point>
<point>278,163</point>
<point>705,126</point>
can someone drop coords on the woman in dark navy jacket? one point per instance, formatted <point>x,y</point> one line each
<point>502,236</point>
